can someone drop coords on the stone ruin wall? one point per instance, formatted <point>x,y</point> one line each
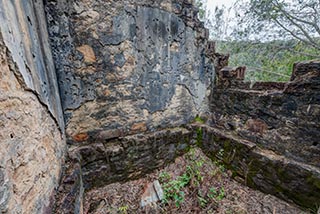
<point>126,67</point>
<point>282,117</point>
<point>274,127</point>
<point>129,73</point>
<point>32,142</point>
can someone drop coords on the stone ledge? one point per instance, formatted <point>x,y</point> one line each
<point>131,157</point>
<point>262,169</point>
<point>134,156</point>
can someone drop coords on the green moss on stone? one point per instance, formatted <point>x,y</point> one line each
<point>199,120</point>
<point>199,140</point>
<point>314,181</point>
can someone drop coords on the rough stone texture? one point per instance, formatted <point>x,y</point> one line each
<point>250,124</point>
<point>289,114</point>
<point>281,122</point>
<point>69,196</point>
<point>302,68</point>
<point>24,31</point>
<point>128,66</point>
<point>31,120</point>
<point>31,151</point>
<point>93,166</point>
<point>261,168</point>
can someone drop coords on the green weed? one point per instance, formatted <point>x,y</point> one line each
<point>173,189</point>
<point>123,209</point>
<point>216,195</point>
<point>199,119</point>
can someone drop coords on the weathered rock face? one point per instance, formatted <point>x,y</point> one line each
<point>32,146</point>
<point>278,126</point>
<point>24,32</point>
<point>128,66</point>
<point>31,143</point>
<point>131,157</point>
<point>284,118</point>
<point>261,168</point>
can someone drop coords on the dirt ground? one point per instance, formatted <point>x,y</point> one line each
<point>193,184</point>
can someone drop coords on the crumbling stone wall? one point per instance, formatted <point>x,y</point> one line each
<point>283,117</point>
<point>270,133</point>
<point>128,66</point>
<point>31,126</point>
<point>118,160</point>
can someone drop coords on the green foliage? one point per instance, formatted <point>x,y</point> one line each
<point>123,209</point>
<point>268,61</point>
<point>216,195</point>
<point>164,177</point>
<point>192,177</point>
<point>199,119</point>
<point>201,5</point>
<point>202,200</point>
<point>173,189</point>
<point>269,20</point>
<point>267,36</point>
<point>199,137</point>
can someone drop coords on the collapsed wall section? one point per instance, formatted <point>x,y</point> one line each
<point>282,117</point>
<point>31,123</point>
<point>128,66</point>
<point>270,132</point>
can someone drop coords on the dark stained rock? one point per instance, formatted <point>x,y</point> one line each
<point>302,68</point>
<point>136,62</point>
<point>291,114</point>
<point>261,168</point>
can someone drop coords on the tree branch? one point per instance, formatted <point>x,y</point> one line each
<point>296,36</point>
<point>305,33</point>
<point>291,18</point>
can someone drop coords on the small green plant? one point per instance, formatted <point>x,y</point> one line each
<point>219,161</point>
<point>221,194</point>
<point>173,189</point>
<point>199,119</point>
<point>164,177</point>
<point>195,173</point>
<point>212,193</point>
<point>199,163</point>
<point>202,201</point>
<point>216,195</point>
<point>194,170</point>
<point>123,209</point>
<point>222,168</point>
<point>220,154</point>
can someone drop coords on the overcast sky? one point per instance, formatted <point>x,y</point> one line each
<point>213,3</point>
<point>228,14</point>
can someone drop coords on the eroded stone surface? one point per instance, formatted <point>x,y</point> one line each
<point>126,67</point>
<point>261,168</point>
<point>95,165</point>
<point>281,121</point>
<point>24,32</point>
<point>32,147</point>
<point>288,114</point>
